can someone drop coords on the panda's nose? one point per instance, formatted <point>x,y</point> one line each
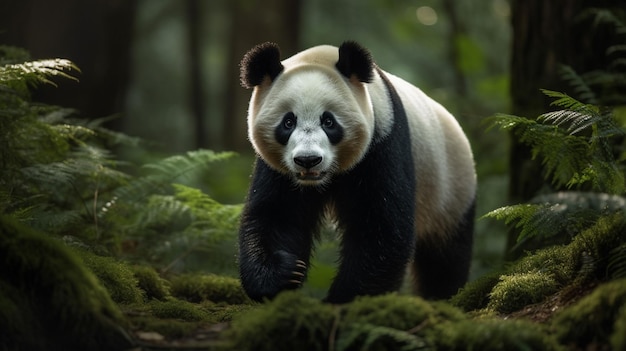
<point>307,161</point>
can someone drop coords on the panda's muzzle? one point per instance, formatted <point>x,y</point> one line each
<point>308,162</point>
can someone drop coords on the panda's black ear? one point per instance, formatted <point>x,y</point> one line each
<point>261,61</point>
<point>355,61</point>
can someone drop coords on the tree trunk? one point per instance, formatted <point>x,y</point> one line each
<point>197,91</point>
<point>254,22</point>
<point>96,35</point>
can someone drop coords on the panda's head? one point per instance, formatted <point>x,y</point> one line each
<point>310,116</point>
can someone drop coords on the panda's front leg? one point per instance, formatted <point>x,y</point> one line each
<point>378,241</point>
<point>276,234</point>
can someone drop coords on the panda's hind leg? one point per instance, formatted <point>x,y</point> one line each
<point>440,268</point>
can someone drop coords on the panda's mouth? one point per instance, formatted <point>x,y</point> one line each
<point>310,175</point>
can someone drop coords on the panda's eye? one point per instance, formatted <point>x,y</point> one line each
<point>328,120</point>
<point>289,121</point>
<point>331,127</point>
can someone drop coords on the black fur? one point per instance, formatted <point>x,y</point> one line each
<point>375,206</point>
<point>333,130</point>
<point>278,225</point>
<point>261,61</point>
<point>442,267</point>
<point>285,128</point>
<point>355,60</point>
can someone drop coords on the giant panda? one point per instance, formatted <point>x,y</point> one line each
<point>338,138</point>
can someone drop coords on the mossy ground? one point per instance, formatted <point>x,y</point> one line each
<point>559,298</point>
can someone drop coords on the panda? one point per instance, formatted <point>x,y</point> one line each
<point>337,138</point>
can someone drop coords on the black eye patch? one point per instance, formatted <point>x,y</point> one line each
<point>331,127</point>
<point>285,128</point>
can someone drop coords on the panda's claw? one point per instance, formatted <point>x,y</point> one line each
<point>300,264</point>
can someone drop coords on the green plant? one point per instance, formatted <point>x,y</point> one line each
<point>577,147</point>
<point>59,174</point>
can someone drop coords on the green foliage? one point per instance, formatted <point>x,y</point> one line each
<point>494,335</point>
<point>574,144</point>
<point>177,309</point>
<point>579,146</point>
<point>618,339</point>
<point>391,322</point>
<point>117,277</point>
<point>559,262</point>
<point>60,175</point>
<point>518,290</point>
<point>48,299</point>
<point>151,283</point>
<point>475,295</point>
<point>598,248</point>
<point>387,322</point>
<point>592,320</point>
<point>289,322</point>
<point>214,288</point>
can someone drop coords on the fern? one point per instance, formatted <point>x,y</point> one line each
<point>578,84</point>
<point>559,216</point>
<point>37,72</point>
<point>574,143</point>
<point>163,173</point>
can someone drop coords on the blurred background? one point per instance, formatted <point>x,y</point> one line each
<point>168,70</point>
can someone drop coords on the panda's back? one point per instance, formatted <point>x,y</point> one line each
<point>441,152</point>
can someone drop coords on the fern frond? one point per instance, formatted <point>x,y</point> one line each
<point>178,165</point>
<point>519,216</point>
<point>208,213</point>
<point>569,103</point>
<point>581,88</point>
<point>574,144</point>
<point>167,171</point>
<point>616,265</point>
<point>37,72</point>
<point>508,122</point>
<point>164,211</point>
<point>562,214</point>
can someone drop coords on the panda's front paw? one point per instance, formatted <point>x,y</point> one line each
<point>291,270</point>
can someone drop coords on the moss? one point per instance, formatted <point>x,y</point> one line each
<point>396,311</point>
<point>475,295</point>
<point>515,291</point>
<point>49,298</point>
<point>292,321</point>
<point>391,322</point>
<point>151,283</point>
<point>596,243</point>
<point>116,277</point>
<point>591,319</point>
<point>197,288</point>
<point>618,339</point>
<point>559,262</point>
<point>222,312</point>
<point>493,335</point>
<point>178,309</point>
